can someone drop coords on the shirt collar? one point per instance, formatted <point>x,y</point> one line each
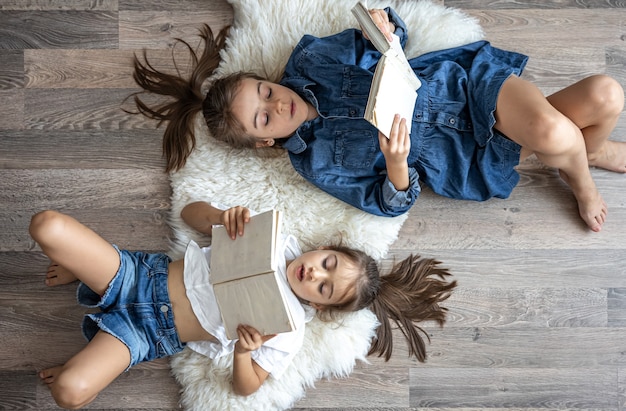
<point>296,144</point>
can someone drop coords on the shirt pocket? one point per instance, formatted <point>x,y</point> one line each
<point>356,82</point>
<point>356,149</point>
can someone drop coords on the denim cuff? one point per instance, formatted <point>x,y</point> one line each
<point>402,200</point>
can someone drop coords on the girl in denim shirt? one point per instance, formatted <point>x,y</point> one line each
<point>151,307</point>
<point>475,119</point>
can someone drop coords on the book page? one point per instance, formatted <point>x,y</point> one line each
<point>256,301</point>
<point>247,255</point>
<point>391,94</point>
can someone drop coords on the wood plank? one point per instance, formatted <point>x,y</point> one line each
<point>39,5</point>
<point>12,110</point>
<point>158,29</point>
<point>375,386</point>
<point>591,388</point>
<point>529,268</point>
<point>107,69</point>
<point>91,188</point>
<point>18,392</point>
<point>54,29</point>
<point>532,307</point>
<point>616,310</point>
<point>11,69</point>
<point>533,4</point>
<point>523,346</point>
<point>215,7</point>
<point>111,149</point>
<point>80,109</point>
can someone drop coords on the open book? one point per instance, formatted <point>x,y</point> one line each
<point>394,86</point>
<point>247,286</point>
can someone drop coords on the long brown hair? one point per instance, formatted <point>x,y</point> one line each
<point>186,99</point>
<point>410,293</point>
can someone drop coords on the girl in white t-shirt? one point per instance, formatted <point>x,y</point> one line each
<point>151,306</point>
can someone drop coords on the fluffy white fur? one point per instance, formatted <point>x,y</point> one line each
<point>263,35</point>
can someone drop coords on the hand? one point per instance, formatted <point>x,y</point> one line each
<point>234,219</point>
<point>381,19</point>
<point>396,148</point>
<point>396,151</point>
<point>249,339</point>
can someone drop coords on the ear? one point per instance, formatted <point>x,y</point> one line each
<point>268,142</point>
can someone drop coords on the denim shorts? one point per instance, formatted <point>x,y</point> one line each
<point>135,308</point>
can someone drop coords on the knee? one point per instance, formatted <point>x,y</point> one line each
<point>71,392</point>
<point>46,225</point>
<point>606,95</point>
<point>553,133</point>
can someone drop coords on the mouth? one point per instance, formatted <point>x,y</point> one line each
<point>293,109</point>
<point>300,273</point>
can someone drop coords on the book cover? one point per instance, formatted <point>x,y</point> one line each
<point>243,273</point>
<point>393,89</point>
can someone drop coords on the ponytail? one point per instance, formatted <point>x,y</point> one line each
<point>410,293</point>
<point>179,138</point>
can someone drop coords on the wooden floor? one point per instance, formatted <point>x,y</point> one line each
<point>539,318</point>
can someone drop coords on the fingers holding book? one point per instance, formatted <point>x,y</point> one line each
<point>397,145</point>
<point>234,219</point>
<point>381,19</point>
<point>250,339</point>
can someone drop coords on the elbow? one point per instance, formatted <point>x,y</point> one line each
<point>245,391</point>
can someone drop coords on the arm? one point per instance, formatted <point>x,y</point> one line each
<point>247,375</point>
<point>374,194</point>
<point>201,216</point>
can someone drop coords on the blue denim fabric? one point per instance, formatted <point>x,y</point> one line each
<point>135,308</point>
<point>454,148</point>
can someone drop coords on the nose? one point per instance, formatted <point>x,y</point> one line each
<point>314,274</point>
<point>277,106</point>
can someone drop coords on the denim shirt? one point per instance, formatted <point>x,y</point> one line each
<point>339,151</point>
<point>454,149</point>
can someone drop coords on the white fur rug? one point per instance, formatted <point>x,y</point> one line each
<point>263,35</point>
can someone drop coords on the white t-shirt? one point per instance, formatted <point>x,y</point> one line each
<point>275,355</point>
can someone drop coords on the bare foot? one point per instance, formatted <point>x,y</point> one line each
<point>593,210</point>
<point>48,375</point>
<point>612,157</point>
<point>591,205</point>
<point>58,275</point>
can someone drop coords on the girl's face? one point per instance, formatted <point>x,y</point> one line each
<point>322,277</point>
<point>268,111</point>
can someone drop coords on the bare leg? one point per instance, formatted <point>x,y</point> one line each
<point>78,382</point>
<point>594,104</point>
<point>75,247</point>
<point>527,117</point>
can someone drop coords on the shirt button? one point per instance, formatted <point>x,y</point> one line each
<point>164,308</point>
<point>452,121</point>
